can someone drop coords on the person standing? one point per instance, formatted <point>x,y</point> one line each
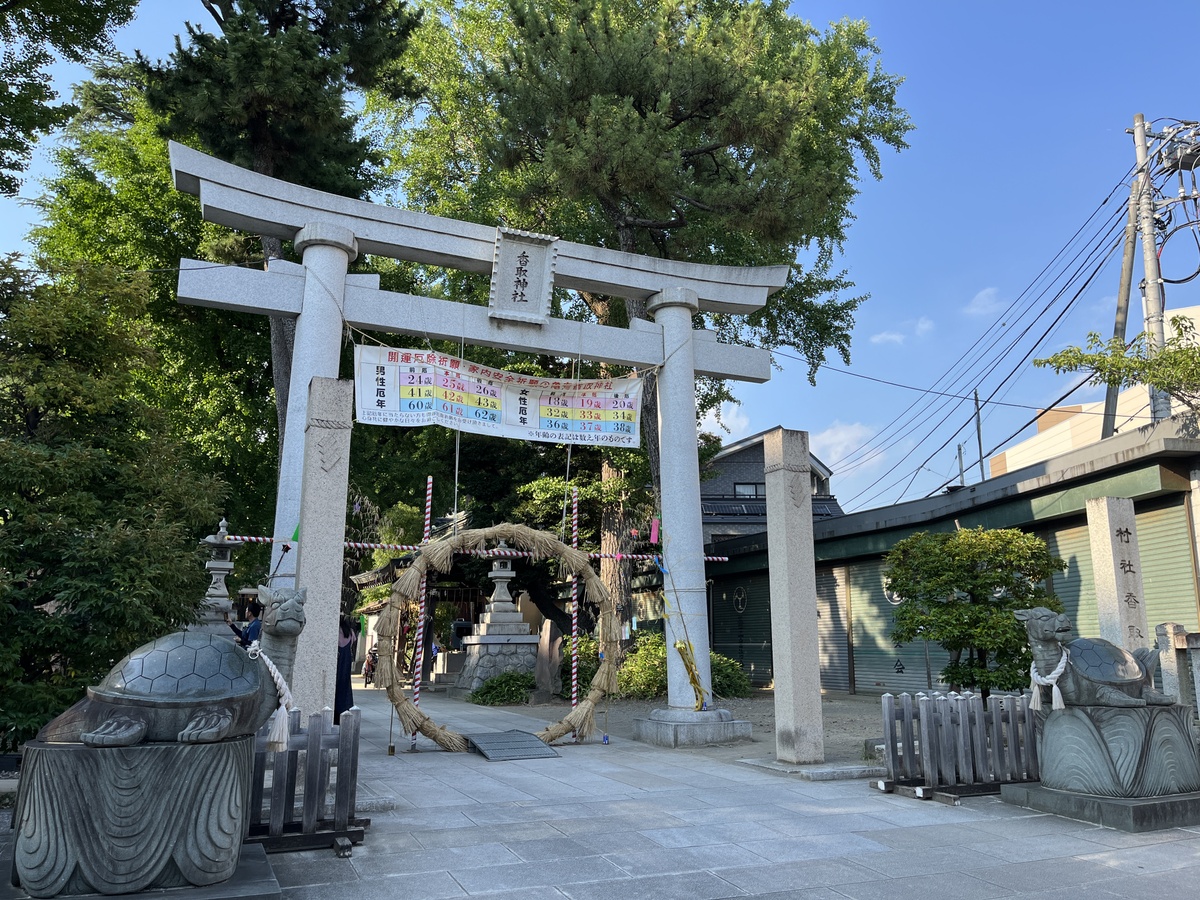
<point>248,635</point>
<point>343,697</point>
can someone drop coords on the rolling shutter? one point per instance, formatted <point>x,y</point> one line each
<point>880,665</point>
<point>832,628</point>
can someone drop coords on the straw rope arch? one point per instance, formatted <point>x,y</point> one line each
<point>439,556</point>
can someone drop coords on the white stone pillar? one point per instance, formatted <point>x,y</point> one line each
<point>327,250</point>
<point>1117,571</point>
<point>795,646</point>
<point>330,411</point>
<point>683,541</point>
<point>679,471</point>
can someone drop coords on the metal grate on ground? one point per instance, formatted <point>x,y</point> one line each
<point>502,745</point>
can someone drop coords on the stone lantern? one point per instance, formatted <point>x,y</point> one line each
<point>219,566</point>
<point>501,642</point>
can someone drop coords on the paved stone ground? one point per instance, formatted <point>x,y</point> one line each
<point>627,820</point>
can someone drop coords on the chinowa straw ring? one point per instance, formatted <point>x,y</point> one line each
<point>439,556</point>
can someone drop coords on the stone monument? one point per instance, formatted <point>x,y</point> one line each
<point>501,641</point>
<point>145,783</point>
<point>1112,749</point>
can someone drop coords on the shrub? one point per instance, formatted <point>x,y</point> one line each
<point>644,672</point>
<point>506,689</point>
<point>589,663</point>
<point>729,679</point>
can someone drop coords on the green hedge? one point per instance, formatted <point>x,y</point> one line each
<point>507,689</point>
<point>643,674</point>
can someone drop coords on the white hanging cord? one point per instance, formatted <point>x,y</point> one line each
<point>1038,681</point>
<point>277,739</point>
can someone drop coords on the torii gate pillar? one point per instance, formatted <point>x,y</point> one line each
<point>328,250</point>
<point>682,723</point>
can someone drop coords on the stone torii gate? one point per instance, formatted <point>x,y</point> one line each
<point>329,231</point>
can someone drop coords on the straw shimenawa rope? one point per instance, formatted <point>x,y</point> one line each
<point>439,556</point>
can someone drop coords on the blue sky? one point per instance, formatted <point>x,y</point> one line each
<point>1020,112</point>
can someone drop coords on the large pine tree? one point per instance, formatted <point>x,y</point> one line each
<point>711,131</point>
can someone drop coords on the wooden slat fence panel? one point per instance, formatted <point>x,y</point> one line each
<point>316,757</point>
<point>962,741</point>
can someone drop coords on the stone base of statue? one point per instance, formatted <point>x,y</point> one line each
<point>1129,752</point>
<point>116,820</point>
<point>1131,768</point>
<point>501,643</point>
<point>1133,815</point>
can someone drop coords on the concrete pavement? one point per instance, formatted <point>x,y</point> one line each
<point>629,820</point>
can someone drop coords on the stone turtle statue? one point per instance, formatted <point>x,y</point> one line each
<point>189,687</point>
<point>1090,671</point>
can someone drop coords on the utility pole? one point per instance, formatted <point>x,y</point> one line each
<point>1110,396</point>
<point>962,476</point>
<point>979,436</point>
<point>1160,403</point>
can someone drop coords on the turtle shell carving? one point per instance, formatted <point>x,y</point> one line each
<point>189,686</point>
<point>1100,661</point>
<point>181,669</point>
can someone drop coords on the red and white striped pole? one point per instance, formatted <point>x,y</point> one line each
<point>574,602</point>
<point>419,652</point>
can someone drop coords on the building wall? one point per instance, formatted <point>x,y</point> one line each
<point>1158,467</point>
<point>743,467</point>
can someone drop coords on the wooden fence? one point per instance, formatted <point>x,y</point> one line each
<point>942,742</point>
<point>290,803</point>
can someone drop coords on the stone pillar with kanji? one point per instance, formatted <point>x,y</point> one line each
<point>1117,570</point>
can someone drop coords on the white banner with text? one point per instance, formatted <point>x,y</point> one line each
<point>419,387</point>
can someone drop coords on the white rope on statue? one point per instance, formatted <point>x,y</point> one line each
<point>1038,681</point>
<point>277,738</point>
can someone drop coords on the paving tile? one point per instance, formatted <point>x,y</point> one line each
<point>470,837</point>
<point>1042,846</point>
<point>312,867</point>
<point>925,837</point>
<point>700,835</point>
<point>551,848</point>
<point>601,824</point>
<point>695,886</point>
<point>942,886</point>
<point>910,861</point>
<point>1110,837</point>
<point>538,876</point>
<point>1150,857</point>
<point>760,880</point>
<point>1044,874</point>
<point>817,846</point>
<point>1031,824</point>
<point>667,861</point>
<point>429,886</point>
<point>1179,882</point>
<point>451,859</point>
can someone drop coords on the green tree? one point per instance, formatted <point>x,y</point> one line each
<point>713,131</point>
<point>269,92</point>
<point>960,590</point>
<point>1174,369</point>
<point>32,34</point>
<point>111,201</point>
<point>99,511</point>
